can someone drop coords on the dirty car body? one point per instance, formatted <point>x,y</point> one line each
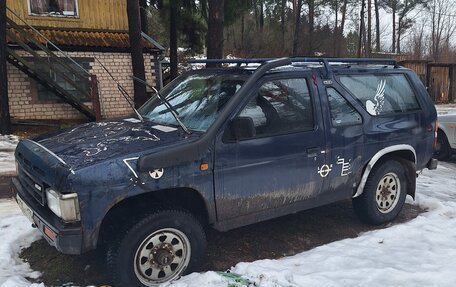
<point>265,142</point>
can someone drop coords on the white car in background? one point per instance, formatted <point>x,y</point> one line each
<point>446,136</point>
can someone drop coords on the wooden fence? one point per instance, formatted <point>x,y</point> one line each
<point>439,78</point>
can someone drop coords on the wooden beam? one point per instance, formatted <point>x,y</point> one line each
<point>5,119</point>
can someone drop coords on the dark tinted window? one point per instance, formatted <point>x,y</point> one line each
<point>342,113</point>
<point>281,106</point>
<point>382,94</point>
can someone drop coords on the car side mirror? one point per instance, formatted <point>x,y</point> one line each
<point>242,128</point>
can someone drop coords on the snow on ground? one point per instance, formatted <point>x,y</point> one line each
<point>421,252</point>
<point>7,146</point>
<point>15,233</point>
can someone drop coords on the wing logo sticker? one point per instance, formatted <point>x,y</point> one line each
<point>324,170</point>
<point>376,107</point>
<point>156,173</point>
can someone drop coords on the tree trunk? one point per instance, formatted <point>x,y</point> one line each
<point>342,26</point>
<point>282,23</point>
<point>242,31</point>
<point>394,28</point>
<point>369,28</point>
<point>297,28</point>
<point>377,26</point>
<point>215,29</point>
<point>173,39</point>
<point>136,48</point>
<point>261,15</point>
<point>335,33</point>
<point>361,29</point>
<point>311,6</point>
<point>5,120</point>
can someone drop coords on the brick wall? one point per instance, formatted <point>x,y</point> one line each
<point>24,104</point>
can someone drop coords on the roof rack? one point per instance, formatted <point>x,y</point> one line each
<point>325,61</point>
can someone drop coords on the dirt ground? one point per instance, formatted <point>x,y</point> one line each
<point>271,239</point>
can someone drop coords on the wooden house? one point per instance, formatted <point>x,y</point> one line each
<point>58,51</point>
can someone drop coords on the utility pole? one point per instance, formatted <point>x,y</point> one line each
<point>136,50</point>
<point>5,120</point>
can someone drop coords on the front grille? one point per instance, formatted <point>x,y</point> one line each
<point>28,175</point>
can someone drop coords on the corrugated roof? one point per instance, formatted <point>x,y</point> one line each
<point>87,38</point>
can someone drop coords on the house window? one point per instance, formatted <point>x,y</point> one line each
<point>65,79</point>
<point>59,8</point>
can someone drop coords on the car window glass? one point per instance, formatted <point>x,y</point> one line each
<point>342,113</point>
<point>281,106</point>
<point>382,94</point>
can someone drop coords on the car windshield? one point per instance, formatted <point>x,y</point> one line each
<point>197,98</point>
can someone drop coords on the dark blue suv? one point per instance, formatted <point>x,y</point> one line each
<point>224,148</point>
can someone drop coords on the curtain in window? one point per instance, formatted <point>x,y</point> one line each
<point>62,7</point>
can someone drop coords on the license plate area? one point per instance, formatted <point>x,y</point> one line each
<point>27,211</point>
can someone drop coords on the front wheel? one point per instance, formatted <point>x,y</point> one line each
<point>384,194</point>
<point>160,248</point>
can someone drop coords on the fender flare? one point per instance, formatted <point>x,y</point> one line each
<point>374,160</point>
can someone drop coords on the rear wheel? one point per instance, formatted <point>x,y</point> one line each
<point>384,194</point>
<point>160,248</point>
<point>442,150</point>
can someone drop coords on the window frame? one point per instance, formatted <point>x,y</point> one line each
<point>392,73</point>
<point>254,93</point>
<point>348,102</point>
<point>30,13</point>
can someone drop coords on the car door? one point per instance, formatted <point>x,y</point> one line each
<point>346,147</point>
<point>278,165</point>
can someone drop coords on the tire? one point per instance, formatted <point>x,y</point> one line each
<point>443,149</point>
<point>159,248</point>
<point>384,194</point>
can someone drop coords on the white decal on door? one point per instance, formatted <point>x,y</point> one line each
<point>346,168</point>
<point>324,170</point>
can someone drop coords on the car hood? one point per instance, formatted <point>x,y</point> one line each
<point>91,143</point>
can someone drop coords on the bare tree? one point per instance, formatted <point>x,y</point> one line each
<point>443,25</point>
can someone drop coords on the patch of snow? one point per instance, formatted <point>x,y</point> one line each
<point>15,233</point>
<point>7,146</point>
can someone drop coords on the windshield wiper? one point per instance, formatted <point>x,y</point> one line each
<point>122,90</point>
<point>166,102</point>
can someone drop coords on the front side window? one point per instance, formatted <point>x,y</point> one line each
<point>281,106</point>
<point>197,98</point>
<point>62,8</point>
<point>382,94</point>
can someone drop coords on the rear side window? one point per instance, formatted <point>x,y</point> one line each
<point>382,94</point>
<point>281,106</point>
<point>342,113</point>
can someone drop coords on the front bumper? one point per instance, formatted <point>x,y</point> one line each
<point>66,238</point>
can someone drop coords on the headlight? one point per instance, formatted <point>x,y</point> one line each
<point>65,206</point>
